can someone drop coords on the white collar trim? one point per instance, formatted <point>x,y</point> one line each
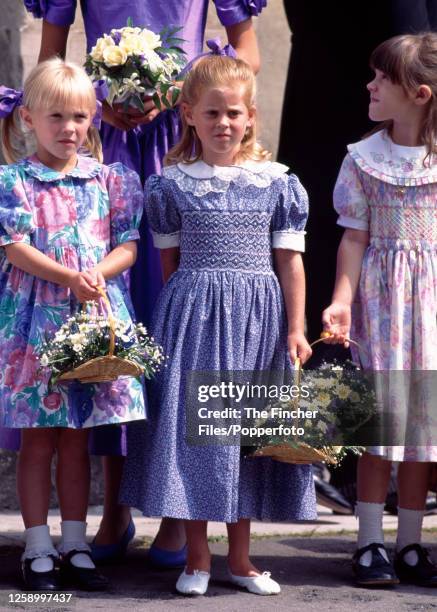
<point>379,156</point>
<point>200,170</point>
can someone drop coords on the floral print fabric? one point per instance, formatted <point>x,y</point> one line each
<point>75,219</point>
<point>394,316</point>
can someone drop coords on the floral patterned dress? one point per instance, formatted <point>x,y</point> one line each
<point>388,190</point>
<point>76,219</point>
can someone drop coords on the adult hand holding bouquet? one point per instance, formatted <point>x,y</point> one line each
<point>137,69</point>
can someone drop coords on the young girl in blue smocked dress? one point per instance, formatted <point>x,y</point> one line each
<point>225,218</point>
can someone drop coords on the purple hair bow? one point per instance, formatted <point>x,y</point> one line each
<point>101,91</point>
<point>9,100</point>
<point>216,49</point>
<point>215,45</point>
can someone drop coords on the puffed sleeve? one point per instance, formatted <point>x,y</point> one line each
<point>349,198</point>
<point>57,12</point>
<point>231,12</point>
<point>162,213</point>
<point>126,203</point>
<point>290,216</point>
<point>16,216</point>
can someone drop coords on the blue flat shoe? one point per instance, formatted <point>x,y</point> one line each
<point>167,559</point>
<point>107,553</point>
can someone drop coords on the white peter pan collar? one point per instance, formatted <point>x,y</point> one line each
<point>200,178</point>
<point>379,156</point>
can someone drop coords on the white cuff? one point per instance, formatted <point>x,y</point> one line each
<point>294,241</point>
<point>166,241</point>
<point>351,223</point>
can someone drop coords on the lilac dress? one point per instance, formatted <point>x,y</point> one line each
<point>386,189</point>
<point>221,310</point>
<point>75,219</point>
<point>144,147</point>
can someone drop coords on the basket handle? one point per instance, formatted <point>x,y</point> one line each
<point>111,319</point>
<point>298,365</point>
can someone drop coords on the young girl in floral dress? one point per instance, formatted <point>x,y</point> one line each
<point>230,226</point>
<point>386,195</point>
<point>67,224</point>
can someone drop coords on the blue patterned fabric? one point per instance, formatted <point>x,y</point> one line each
<point>221,310</point>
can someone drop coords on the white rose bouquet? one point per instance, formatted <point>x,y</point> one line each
<point>135,62</point>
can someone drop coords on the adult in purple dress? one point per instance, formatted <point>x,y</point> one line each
<point>140,142</point>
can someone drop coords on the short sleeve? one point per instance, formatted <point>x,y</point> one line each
<point>162,213</point>
<point>349,198</point>
<point>57,12</point>
<point>231,12</point>
<point>290,216</point>
<point>16,216</point>
<point>126,203</point>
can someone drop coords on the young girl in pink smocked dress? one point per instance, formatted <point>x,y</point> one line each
<point>386,196</point>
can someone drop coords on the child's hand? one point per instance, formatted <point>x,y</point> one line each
<point>337,324</point>
<point>298,347</point>
<point>83,286</point>
<point>95,278</point>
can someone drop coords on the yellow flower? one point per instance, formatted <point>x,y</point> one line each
<point>343,392</point>
<point>114,56</point>
<point>151,40</point>
<point>100,46</point>
<point>133,45</point>
<point>323,399</point>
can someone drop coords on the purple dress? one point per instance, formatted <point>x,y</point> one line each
<point>143,148</point>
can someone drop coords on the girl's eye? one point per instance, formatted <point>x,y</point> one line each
<point>211,113</point>
<point>234,113</point>
<point>81,116</point>
<point>56,115</point>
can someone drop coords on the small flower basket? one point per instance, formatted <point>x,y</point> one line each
<point>341,401</point>
<point>93,348</point>
<point>135,62</point>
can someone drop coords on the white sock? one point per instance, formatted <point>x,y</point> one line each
<point>370,529</point>
<point>409,532</point>
<point>39,546</point>
<point>73,538</point>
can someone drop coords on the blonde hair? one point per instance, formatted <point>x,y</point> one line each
<point>51,83</point>
<point>410,60</point>
<point>213,71</point>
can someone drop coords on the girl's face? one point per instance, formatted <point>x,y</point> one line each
<point>220,118</point>
<point>59,133</point>
<point>388,101</point>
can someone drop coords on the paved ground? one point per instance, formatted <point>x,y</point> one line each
<point>311,561</point>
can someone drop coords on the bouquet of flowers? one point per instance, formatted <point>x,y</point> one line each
<point>135,62</point>
<point>334,403</point>
<point>91,347</point>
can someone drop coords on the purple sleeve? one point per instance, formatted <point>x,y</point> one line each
<point>231,12</point>
<point>57,12</point>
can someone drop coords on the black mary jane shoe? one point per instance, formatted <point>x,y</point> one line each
<point>39,581</point>
<point>82,578</point>
<point>424,573</point>
<point>379,573</point>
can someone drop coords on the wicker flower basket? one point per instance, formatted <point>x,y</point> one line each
<point>301,453</point>
<point>108,367</point>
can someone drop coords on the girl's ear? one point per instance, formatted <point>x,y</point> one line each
<point>423,95</point>
<point>188,113</point>
<point>26,117</point>
<point>252,116</point>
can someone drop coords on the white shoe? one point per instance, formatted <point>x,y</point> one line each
<point>260,585</point>
<point>193,584</point>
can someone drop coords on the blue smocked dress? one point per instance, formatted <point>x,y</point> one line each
<point>221,310</point>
